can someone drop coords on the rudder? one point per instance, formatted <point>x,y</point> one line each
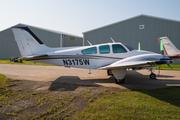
<point>28,43</point>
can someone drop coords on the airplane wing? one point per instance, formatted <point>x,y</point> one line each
<point>136,63</point>
<point>32,57</point>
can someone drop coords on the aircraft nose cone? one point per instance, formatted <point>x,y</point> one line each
<point>164,60</point>
<point>165,57</point>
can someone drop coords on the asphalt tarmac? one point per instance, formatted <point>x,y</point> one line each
<point>133,79</point>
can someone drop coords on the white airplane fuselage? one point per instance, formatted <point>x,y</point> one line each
<point>73,57</point>
<point>116,57</point>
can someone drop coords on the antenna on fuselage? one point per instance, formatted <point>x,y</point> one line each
<point>112,40</point>
<point>89,43</point>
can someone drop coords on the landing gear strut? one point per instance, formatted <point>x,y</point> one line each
<point>152,75</point>
<point>119,81</point>
<point>119,75</point>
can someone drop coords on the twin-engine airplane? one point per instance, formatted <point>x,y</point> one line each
<point>169,48</point>
<point>114,57</point>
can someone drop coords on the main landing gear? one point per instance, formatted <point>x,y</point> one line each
<point>152,75</point>
<point>119,75</point>
<point>119,81</point>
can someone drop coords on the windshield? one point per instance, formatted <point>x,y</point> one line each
<point>129,47</point>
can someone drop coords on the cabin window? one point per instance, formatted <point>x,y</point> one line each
<point>104,49</point>
<point>92,50</point>
<point>117,48</point>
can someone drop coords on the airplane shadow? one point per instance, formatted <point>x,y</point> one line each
<point>64,82</point>
<point>134,81</point>
<point>165,76</point>
<point>61,84</point>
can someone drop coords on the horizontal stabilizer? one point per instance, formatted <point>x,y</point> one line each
<point>32,57</point>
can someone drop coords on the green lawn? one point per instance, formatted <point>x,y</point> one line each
<point>163,103</point>
<point>4,92</point>
<point>166,67</point>
<point>24,63</point>
<point>136,105</point>
<point>2,81</point>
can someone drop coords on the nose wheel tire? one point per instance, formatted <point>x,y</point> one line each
<point>109,72</point>
<point>119,81</point>
<point>152,76</point>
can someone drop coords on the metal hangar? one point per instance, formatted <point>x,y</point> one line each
<point>51,38</point>
<point>143,28</point>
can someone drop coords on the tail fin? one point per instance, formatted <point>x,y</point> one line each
<point>28,43</point>
<point>169,47</point>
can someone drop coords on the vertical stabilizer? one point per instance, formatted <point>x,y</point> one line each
<point>28,43</point>
<point>169,47</point>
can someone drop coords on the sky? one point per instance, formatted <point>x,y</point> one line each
<point>78,16</point>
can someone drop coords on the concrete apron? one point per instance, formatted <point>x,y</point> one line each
<point>133,79</point>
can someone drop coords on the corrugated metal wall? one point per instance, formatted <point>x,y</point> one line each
<point>48,38</point>
<point>128,32</point>
<point>8,46</point>
<point>69,41</point>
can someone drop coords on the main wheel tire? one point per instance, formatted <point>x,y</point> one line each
<point>152,76</point>
<point>119,81</point>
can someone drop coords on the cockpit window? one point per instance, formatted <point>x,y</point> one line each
<point>117,48</point>
<point>129,47</point>
<point>92,50</point>
<point>104,49</point>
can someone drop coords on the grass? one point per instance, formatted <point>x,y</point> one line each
<point>24,63</point>
<point>57,107</point>
<point>4,81</point>
<point>4,92</point>
<point>166,67</point>
<point>143,104</point>
<point>163,103</point>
